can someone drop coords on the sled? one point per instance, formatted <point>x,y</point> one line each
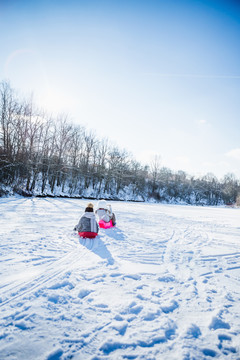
<point>105,225</point>
<point>87,234</point>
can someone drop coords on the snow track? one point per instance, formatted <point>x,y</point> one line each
<point>50,272</point>
<point>163,284</point>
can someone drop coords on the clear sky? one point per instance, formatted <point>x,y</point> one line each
<point>154,76</point>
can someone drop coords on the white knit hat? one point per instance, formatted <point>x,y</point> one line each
<point>102,204</point>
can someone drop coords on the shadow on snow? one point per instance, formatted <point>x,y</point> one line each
<point>98,247</point>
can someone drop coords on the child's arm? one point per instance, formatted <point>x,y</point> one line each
<point>110,209</point>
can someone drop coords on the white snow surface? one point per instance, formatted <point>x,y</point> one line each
<point>163,284</point>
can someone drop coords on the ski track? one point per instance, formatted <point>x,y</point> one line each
<point>163,284</point>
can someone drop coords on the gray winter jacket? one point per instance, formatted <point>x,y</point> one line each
<point>87,223</point>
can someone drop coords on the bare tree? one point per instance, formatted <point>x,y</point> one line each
<point>155,167</point>
<point>230,188</point>
<point>89,142</point>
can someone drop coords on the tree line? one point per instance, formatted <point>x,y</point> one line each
<point>41,154</point>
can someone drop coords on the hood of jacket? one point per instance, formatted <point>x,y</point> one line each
<point>91,216</point>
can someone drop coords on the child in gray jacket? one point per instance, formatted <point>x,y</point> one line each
<point>87,226</point>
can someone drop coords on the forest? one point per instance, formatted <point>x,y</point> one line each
<point>46,155</point>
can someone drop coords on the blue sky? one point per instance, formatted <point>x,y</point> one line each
<point>155,77</point>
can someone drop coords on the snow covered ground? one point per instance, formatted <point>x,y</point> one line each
<point>163,284</point>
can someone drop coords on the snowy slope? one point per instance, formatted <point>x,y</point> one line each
<point>164,284</point>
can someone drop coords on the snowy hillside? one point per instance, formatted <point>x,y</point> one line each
<point>164,284</point>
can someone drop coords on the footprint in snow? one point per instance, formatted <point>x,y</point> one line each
<point>171,331</point>
<point>170,308</point>
<point>61,285</point>
<point>193,332</point>
<point>118,318</point>
<point>121,328</point>
<point>157,293</point>
<point>102,307</point>
<point>132,276</point>
<point>56,299</point>
<point>55,355</point>
<point>225,344</point>
<point>109,346</point>
<point>209,352</point>
<point>229,349</point>
<point>83,293</point>
<point>151,316</point>
<point>22,325</point>
<point>113,275</point>
<point>166,278</point>
<point>217,323</point>
<point>133,308</point>
<point>223,337</point>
